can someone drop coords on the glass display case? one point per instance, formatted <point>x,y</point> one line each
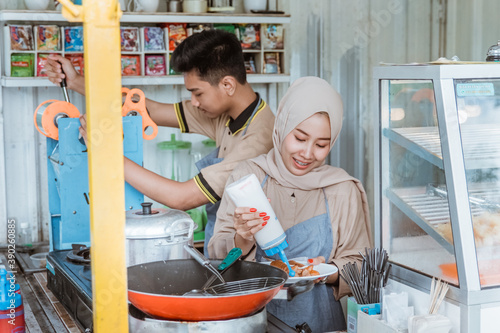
<point>437,177</point>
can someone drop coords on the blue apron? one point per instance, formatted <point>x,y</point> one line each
<point>318,307</point>
<point>211,209</point>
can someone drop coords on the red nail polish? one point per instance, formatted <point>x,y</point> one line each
<point>253,210</point>
<point>265,218</point>
<point>310,261</point>
<point>262,214</point>
<point>264,224</point>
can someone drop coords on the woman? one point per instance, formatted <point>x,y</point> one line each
<point>322,209</point>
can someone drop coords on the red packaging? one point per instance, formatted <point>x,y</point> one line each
<point>129,39</point>
<point>155,65</point>
<point>76,61</point>
<point>40,64</point>
<point>131,65</point>
<point>176,34</point>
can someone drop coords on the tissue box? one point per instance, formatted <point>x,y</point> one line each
<point>352,313</point>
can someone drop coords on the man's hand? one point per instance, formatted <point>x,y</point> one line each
<point>59,68</point>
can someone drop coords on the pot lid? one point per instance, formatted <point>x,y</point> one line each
<point>173,144</point>
<point>151,222</point>
<point>494,50</point>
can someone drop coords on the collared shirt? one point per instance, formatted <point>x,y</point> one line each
<point>234,147</point>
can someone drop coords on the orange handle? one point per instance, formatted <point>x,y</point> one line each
<point>47,114</point>
<point>138,106</point>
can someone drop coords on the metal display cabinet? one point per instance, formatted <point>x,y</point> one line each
<point>437,181</point>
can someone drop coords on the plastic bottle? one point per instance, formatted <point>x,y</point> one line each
<point>24,234</point>
<point>11,306</point>
<point>247,192</point>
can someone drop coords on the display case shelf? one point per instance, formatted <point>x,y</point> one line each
<point>481,144</point>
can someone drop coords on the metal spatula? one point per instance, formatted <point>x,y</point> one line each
<point>199,257</point>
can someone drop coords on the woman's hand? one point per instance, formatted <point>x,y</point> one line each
<point>248,221</point>
<point>327,279</point>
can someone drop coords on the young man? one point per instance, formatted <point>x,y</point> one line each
<point>223,107</point>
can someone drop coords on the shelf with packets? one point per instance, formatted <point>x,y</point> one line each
<point>265,64</point>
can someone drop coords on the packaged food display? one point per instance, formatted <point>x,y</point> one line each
<point>272,36</point>
<point>155,65</point>
<point>73,39</point>
<point>250,64</point>
<point>154,39</point>
<point>193,28</point>
<point>272,63</point>
<point>40,64</point>
<point>48,38</point>
<point>171,70</point>
<point>76,61</point>
<point>21,37</point>
<point>228,27</point>
<point>129,39</point>
<point>249,36</point>
<point>22,64</point>
<point>176,34</point>
<point>131,65</point>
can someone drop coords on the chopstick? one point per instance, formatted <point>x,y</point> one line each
<point>437,294</point>
<point>366,284</point>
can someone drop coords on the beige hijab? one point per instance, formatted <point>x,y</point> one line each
<point>305,97</point>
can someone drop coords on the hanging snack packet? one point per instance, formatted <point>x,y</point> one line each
<point>272,36</point>
<point>194,28</point>
<point>249,36</point>
<point>131,65</point>
<point>154,39</point>
<point>249,64</point>
<point>21,64</point>
<point>73,39</point>
<point>76,61</point>
<point>176,34</point>
<point>48,38</point>
<point>129,39</point>
<point>155,65</point>
<point>40,64</point>
<point>21,37</point>
<point>272,63</point>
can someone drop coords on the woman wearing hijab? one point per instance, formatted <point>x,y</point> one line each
<point>322,209</point>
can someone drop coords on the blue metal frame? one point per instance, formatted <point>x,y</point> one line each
<point>68,184</point>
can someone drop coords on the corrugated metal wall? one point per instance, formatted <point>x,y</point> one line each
<point>337,40</point>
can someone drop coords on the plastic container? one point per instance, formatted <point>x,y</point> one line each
<point>247,192</point>
<point>39,259</point>
<point>175,159</point>
<point>24,234</point>
<point>11,306</point>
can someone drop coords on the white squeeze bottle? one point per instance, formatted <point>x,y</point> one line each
<point>247,192</point>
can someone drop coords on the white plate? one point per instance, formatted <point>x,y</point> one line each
<point>322,269</point>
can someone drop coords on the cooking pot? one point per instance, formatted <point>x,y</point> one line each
<point>157,289</point>
<point>157,234</point>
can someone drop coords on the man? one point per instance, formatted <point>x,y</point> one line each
<point>223,107</point>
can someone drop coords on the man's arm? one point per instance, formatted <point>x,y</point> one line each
<point>176,195</point>
<point>163,114</point>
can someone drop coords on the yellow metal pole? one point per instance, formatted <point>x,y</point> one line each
<point>101,26</point>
